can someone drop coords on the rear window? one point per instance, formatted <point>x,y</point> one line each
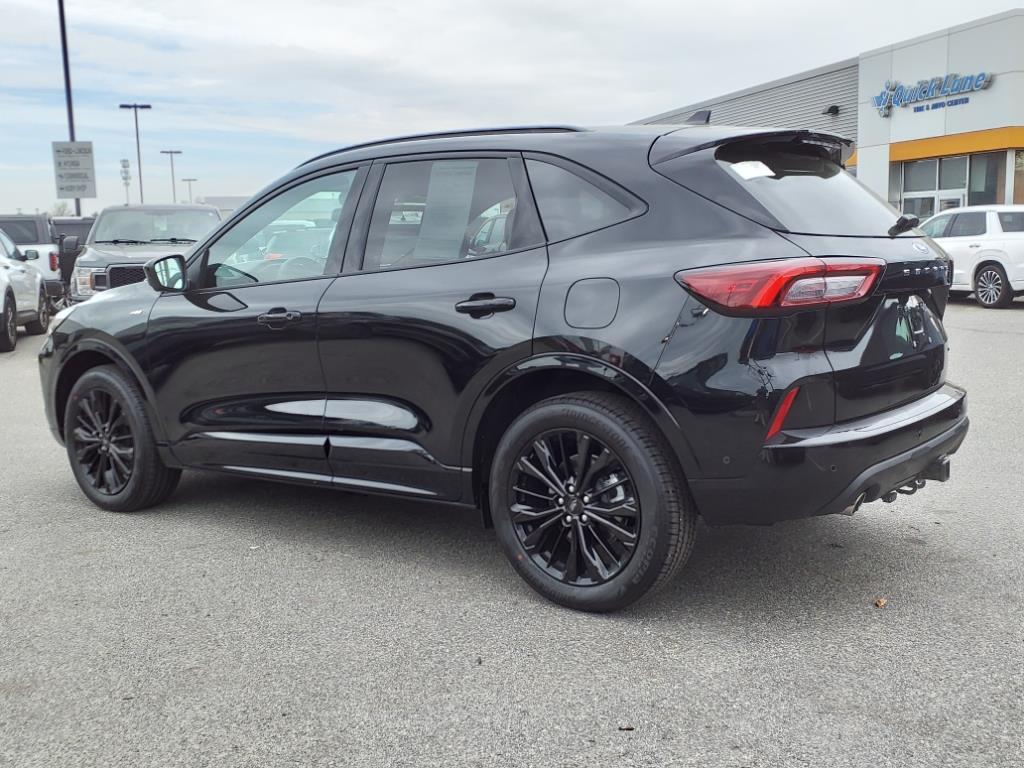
<point>804,189</point>
<point>22,231</point>
<point>571,205</point>
<point>1012,221</point>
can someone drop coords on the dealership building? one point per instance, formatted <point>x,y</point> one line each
<point>937,121</point>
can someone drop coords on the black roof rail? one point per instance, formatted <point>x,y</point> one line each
<point>451,135</point>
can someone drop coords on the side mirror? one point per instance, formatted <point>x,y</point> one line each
<point>166,273</point>
<point>69,246</point>
<point>31,255</point>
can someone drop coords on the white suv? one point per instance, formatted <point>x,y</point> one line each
<point>986,243</point>
<point>22,294</point>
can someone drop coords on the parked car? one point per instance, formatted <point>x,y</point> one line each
<point>22,293</point>
<point>125,237</point>
<point>35,232</point>
<point>682,321</point>
<point>986,244</point>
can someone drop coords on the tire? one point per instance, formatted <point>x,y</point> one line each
<point>8,324</point>
<point>645,485</point>
<point>992,288</point>
<point>42,321</point>
<point>118,469</point>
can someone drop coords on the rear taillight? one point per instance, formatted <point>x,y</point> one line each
<point>54,263</point>
<point>770,287</point>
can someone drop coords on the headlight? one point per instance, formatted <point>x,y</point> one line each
<point>84,280</point>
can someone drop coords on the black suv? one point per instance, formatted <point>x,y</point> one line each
<point>672,322</point>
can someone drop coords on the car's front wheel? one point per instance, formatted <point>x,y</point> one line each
<point>110,443</point>
<point>992,288</point>
<point>587,502</point>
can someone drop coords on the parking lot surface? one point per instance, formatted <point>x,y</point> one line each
<point>252,624</point>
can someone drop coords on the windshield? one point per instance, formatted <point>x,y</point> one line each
<point>21,231</point>
<point>135,226</point>
<point>805,190</point>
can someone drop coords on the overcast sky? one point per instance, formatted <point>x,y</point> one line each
<point>247,89</point>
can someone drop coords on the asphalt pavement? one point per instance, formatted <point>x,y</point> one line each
<point>250,624</point>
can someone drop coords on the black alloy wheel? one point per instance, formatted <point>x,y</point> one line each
<point>588,502</point>
<point>103,443</point>
<point>575,511</point>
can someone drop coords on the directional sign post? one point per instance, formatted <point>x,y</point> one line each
<point>74,169</point>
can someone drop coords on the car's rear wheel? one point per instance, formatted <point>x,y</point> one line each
<point>992,288</point>
<point>42,321</point>
<point>8,324</point>
<point>111,446</point>
<point>587,503</point>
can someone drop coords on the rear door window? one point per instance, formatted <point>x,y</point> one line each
<point>441,211</point>
<point>1012,221</point>
<point>967,225</point>
<point>21,231</point>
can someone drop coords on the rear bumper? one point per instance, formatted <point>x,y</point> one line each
<point>824,471</point>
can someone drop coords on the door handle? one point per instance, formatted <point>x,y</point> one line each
<point>278,318</point>
<point>483,304</point>
<point>974,245</point>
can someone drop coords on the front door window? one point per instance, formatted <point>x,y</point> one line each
<point>291,237</point>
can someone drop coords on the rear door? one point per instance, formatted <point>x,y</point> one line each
<point>425,316</point>
<point>19,275</point>
<point>965,239</point>
<point>233,361</point>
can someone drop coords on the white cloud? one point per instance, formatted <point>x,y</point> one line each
<point>233,77</point>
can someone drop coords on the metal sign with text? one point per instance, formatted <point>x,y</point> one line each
<point>74,169</point>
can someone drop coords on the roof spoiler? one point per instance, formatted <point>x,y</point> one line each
<point>666,148</point>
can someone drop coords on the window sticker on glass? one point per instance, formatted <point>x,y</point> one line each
<point>752,169</point>
<point>450,192</point>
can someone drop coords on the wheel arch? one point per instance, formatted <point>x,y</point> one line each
<point>93,353</point>
<point>985,259</point>
<point>538,378</point>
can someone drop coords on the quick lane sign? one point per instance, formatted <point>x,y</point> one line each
<point>953,84</point>
<point>73,168</point>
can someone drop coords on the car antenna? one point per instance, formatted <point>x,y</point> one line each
<point>700,117</point>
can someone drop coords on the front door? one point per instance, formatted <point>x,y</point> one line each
<point>233,361</point>
<point>441,299</point>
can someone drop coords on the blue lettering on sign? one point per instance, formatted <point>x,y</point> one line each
<point>896,95</point>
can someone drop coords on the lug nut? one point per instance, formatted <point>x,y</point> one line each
<point>571,488</point>
<point>561,501</point>
<point>583,518</point>
<point>586,499</point>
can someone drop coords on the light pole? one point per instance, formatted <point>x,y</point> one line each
<point>67,87</point>
<point>126,177</point>
<point>189,182</point>
<point>138,150</point>
<point>171,153</point>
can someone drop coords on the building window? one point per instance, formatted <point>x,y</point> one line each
<point>988,179</point>
<point>1018,177</point>
<point>919,175</point>
<point>953,172</point>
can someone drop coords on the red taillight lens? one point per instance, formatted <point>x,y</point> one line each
<point>54,263</point>
<point>766,287</point>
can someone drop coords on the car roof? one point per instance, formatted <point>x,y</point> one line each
<point>995,207</point>
<point>554,139</point>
